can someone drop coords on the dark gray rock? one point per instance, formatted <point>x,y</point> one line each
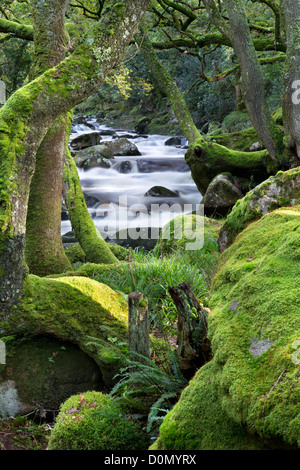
<point>142,125</point>
<point>95,156</point>
<point>69,237</point>
<point>85,140</point>
<point>174,141</point>
<point>221,195</point>
<point>40,374</point>
<point>139,237</point>
<point>160,191</point>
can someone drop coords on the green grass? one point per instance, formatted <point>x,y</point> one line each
<point>152,275</point>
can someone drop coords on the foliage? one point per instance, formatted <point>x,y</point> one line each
<point>147,388</point>
<point>24,434</point>
<point>150,274</point>
<point>252,382</point>
<point>95,421</point>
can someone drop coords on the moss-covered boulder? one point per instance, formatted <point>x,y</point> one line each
<point>248,395</point>
<point>94,421</point>
<point>73,309</point>
<point>122,147</point>
<point>208,159</point>
<point>277,191</point>
<point>188,232</point>
<point>85,140</point>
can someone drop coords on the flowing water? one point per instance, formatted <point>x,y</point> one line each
<point>116,199</point>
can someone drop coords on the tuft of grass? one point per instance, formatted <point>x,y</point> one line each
<point>152,275</point>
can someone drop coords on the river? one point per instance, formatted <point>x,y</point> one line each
<point>117,200</point>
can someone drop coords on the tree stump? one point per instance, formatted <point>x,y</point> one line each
<point>193,346</point>
<point>138,327</point>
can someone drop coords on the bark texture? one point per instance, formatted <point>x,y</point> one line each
<point>291,92</point>
<point>138,327</point>
<point>252,79</point>
<point>193,346</point>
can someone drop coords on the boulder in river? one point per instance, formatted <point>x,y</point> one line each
<point>160,191</point>
<point>122,147</point>
<point>97,155</point>
<point>85,140</point>
<point>221,195</point>
<point>174,141</point>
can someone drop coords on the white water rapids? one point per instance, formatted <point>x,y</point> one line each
<point>123,203</point>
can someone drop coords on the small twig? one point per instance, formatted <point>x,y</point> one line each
<point>270,391</point>
<point>259,264</point>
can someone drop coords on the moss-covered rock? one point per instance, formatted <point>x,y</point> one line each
<point>239,140</point>
<point>73,309</point>
<point>76,254</point>
<point>41,373</point>
<point>208,159</point>
<point>182,232</point>
<point>252,383</point>
<point>94,421</point>
<point>277,191</point>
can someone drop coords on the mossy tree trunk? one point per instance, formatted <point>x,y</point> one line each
<point>44,249</point>
<point>291,92</point>
<point>252,79</point>
<point>168,86</point>
<point>28,115</point>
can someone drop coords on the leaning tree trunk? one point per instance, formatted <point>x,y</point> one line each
<point>205,159</point>
<point>28,115</point>
<point>168,86</point>
<point>291,93</point>
<point>252,79</point>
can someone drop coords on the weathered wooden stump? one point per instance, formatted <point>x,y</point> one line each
<point>193,346</point>
<point>138,327</point>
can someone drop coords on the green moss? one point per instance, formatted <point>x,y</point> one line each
<point>254,321</point>
<point>94,421</point>
<point>277,191</point>
<point>182,230</point>
<point>239,140</point>
<point>198,422</point>
<point>208,159</point>
<point>72,309</point>
<point>75,253</point>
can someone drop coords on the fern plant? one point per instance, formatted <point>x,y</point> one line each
<point>145,385</point>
